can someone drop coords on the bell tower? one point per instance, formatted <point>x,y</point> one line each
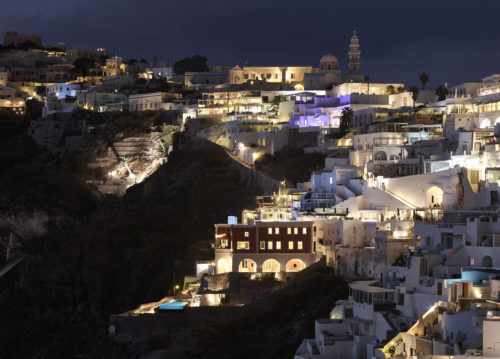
<point>354,54</point>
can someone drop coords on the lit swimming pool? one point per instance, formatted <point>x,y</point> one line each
<point>176,305</point>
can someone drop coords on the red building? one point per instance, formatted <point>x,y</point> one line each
<point>265,247</point>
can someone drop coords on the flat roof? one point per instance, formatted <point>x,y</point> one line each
<point>366,287</point>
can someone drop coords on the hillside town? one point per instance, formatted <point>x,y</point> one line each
<point>403,205</point>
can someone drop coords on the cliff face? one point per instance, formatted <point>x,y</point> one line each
<point>115,254</point>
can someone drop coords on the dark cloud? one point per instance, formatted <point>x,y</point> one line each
<point>453,41</point>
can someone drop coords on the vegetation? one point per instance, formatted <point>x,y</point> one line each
<point>103,258</point>
<point>414,94</point>
<point>292,164</point>
<point>390,90</point>
<point>424,79</point>
<point>274,327</point>
<point>194,63</point>
<point>83,65</point>
<point>441,92</point>
<point>345,120</point>
<point>131,62</point>
<point>400,89</point>
<point>275,104</point>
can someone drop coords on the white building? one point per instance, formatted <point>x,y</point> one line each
<point>63,90</point>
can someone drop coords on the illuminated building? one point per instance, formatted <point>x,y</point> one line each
<point>8,100</point>
<point>304,77</point>
<point>114,66</point>
<point>63,90</point>
<point>265,247</point>
<point>151,101</point>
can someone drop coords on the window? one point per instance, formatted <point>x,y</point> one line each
<point>277,230</point>
<point>224,243</point>
<point>247,234</point>
<point>278,245</point>
<point>299,245</point>
<point>243,245</point>
<point>262,245</point>
<point>245,76</point>
<point>290,245</point>
<point>304,230</point>
<point>292,75</point>
<point>295,230</point>
<point>270,245</point>
<point>276,76</point>
<point>269,230</point>
<point>289,230</point>
<point>331,180</point>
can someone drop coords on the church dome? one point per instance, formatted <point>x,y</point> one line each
<point>328,63</point>
<point>328,58</point>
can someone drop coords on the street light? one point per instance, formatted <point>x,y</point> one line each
<point>176,288</point>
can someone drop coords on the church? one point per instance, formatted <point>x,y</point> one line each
<point>306,77</point>
<point>329,72</point>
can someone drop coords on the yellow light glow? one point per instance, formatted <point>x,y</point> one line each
<point>400,234</point>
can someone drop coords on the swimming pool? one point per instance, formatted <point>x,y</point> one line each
<point>175,305</point>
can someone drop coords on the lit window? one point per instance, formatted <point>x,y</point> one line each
<point>289,230</point>
<point>269,230</point>
<point>224,243</point>
<point>290,245</point>
<point>295,230</point>
<point>262,245</point>
<point>278,245</point>
<point>247,234</point>
<point>331,180</point>
<point>304,230</point>
<point>270,245</point>
<point>243,245</point>
<point>277,230</point>
<point>299,245</point>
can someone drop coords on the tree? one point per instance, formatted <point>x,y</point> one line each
<point>414,94</point>
<point>441,92</point>
<point>390,90</point>
<point>345,120</point>
<point>424,78</point>
<point>275,104</point>
<point>33,109</point>
<point>400,89</point>
<point>195,63</point>
<point>83,65</point>
<point>131,62</point>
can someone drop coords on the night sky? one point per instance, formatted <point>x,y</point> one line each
<point>454,41</point>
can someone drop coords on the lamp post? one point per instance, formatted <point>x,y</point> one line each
<point>176,288</point>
